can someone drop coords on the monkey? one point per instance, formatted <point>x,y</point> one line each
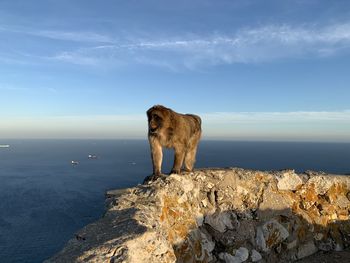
<point>181,132</point>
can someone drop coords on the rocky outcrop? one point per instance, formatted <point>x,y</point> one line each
<point>219,215</point>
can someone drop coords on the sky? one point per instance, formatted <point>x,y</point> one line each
<point>253,70</point>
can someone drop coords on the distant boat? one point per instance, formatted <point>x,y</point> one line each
<point>74,162</point>
<point>92,156</point>
<point>4,146</point>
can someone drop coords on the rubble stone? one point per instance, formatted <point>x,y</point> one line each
<point>270,234</point>
<point>256,256</point>
<point>222,221</point>
<point>289,181</point>
<point>242,253</point>
<point>218,214</point>
<point>306,250</point>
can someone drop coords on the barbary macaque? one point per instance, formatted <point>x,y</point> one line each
<point>182,132</point>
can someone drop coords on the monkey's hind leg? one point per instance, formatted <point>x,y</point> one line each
<point>179,159</point>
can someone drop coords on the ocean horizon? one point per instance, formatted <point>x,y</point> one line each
<point>44,199</point>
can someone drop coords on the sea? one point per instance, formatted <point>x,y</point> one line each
<point>45,199</point>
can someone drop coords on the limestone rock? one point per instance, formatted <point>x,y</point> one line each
<point>256,256</point>
<point>228,258</point>
<point>270,234</point>
<point>218,214</point>
<point>222,221</point>
<point>289,180</point>
<point>320,183</point>
<point>242,253</point>
<point>306,250</point>
<point>274,203</point>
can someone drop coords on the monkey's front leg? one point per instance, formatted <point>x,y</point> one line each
<point>179,158</point>
<point>157,156</point>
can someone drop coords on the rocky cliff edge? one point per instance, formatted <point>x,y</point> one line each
<point>219,215</point>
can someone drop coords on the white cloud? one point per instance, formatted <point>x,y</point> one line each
<point>279,117</point>
<point>76,58</point>
<point>247,45</point>
<point>76,36</point>
<point>72,36</point>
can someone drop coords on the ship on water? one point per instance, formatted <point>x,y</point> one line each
<point>4,146</point>
<point>74,162</point>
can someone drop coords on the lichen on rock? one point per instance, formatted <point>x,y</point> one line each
<point>219,215</point>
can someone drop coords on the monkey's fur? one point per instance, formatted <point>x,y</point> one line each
<point>167,128</point>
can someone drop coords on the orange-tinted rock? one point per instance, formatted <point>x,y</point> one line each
<point>335,191</point>
<point>182,218</point>
<point>308,195</point>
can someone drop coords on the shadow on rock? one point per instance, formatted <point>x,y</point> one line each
<point>102,239</point>
<point>260,236</point>
<point>251,216</point>
<point>220,215</point>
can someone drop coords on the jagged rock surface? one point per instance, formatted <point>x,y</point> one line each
<point>219,215</point>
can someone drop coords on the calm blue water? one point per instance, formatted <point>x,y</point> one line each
<point>44,199</point>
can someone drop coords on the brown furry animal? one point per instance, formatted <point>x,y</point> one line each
<point>167,128</point>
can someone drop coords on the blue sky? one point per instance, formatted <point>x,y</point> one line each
<point>254,70</point>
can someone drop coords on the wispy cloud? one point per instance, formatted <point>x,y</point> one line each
<point>76,58</point>
<point>278,117</point>
<point>247,45</point>
<point>64,35</point>
<point>73,36</point>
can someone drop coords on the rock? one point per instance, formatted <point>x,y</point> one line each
<point>274,204</point>
<point>200,219</point>
<point>306,250</point>
<point>318,236</point>
<point>289,181</point>
<point>342,201</point>
<point>270,234</point>
<point>245,231</point>
<point>326,245</point>
<point>256,256</point>
<point>242,253</point>
<point>218,213</point>
<point>292,244</point>
<point>260,239</point>
<point>115,193</point>
<point>228,258</point>
<point>222,221</point>
<point>150,178</point>
<point>320,183</point>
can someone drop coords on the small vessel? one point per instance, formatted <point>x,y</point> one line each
<point>92,156</point>
<point>74,162</point>
<point>4,146</point>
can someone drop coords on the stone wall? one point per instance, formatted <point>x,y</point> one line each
<point>219,215</point>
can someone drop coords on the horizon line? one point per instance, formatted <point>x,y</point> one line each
<point>206,138</point>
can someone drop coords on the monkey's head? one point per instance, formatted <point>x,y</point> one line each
<point>158,117</point>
